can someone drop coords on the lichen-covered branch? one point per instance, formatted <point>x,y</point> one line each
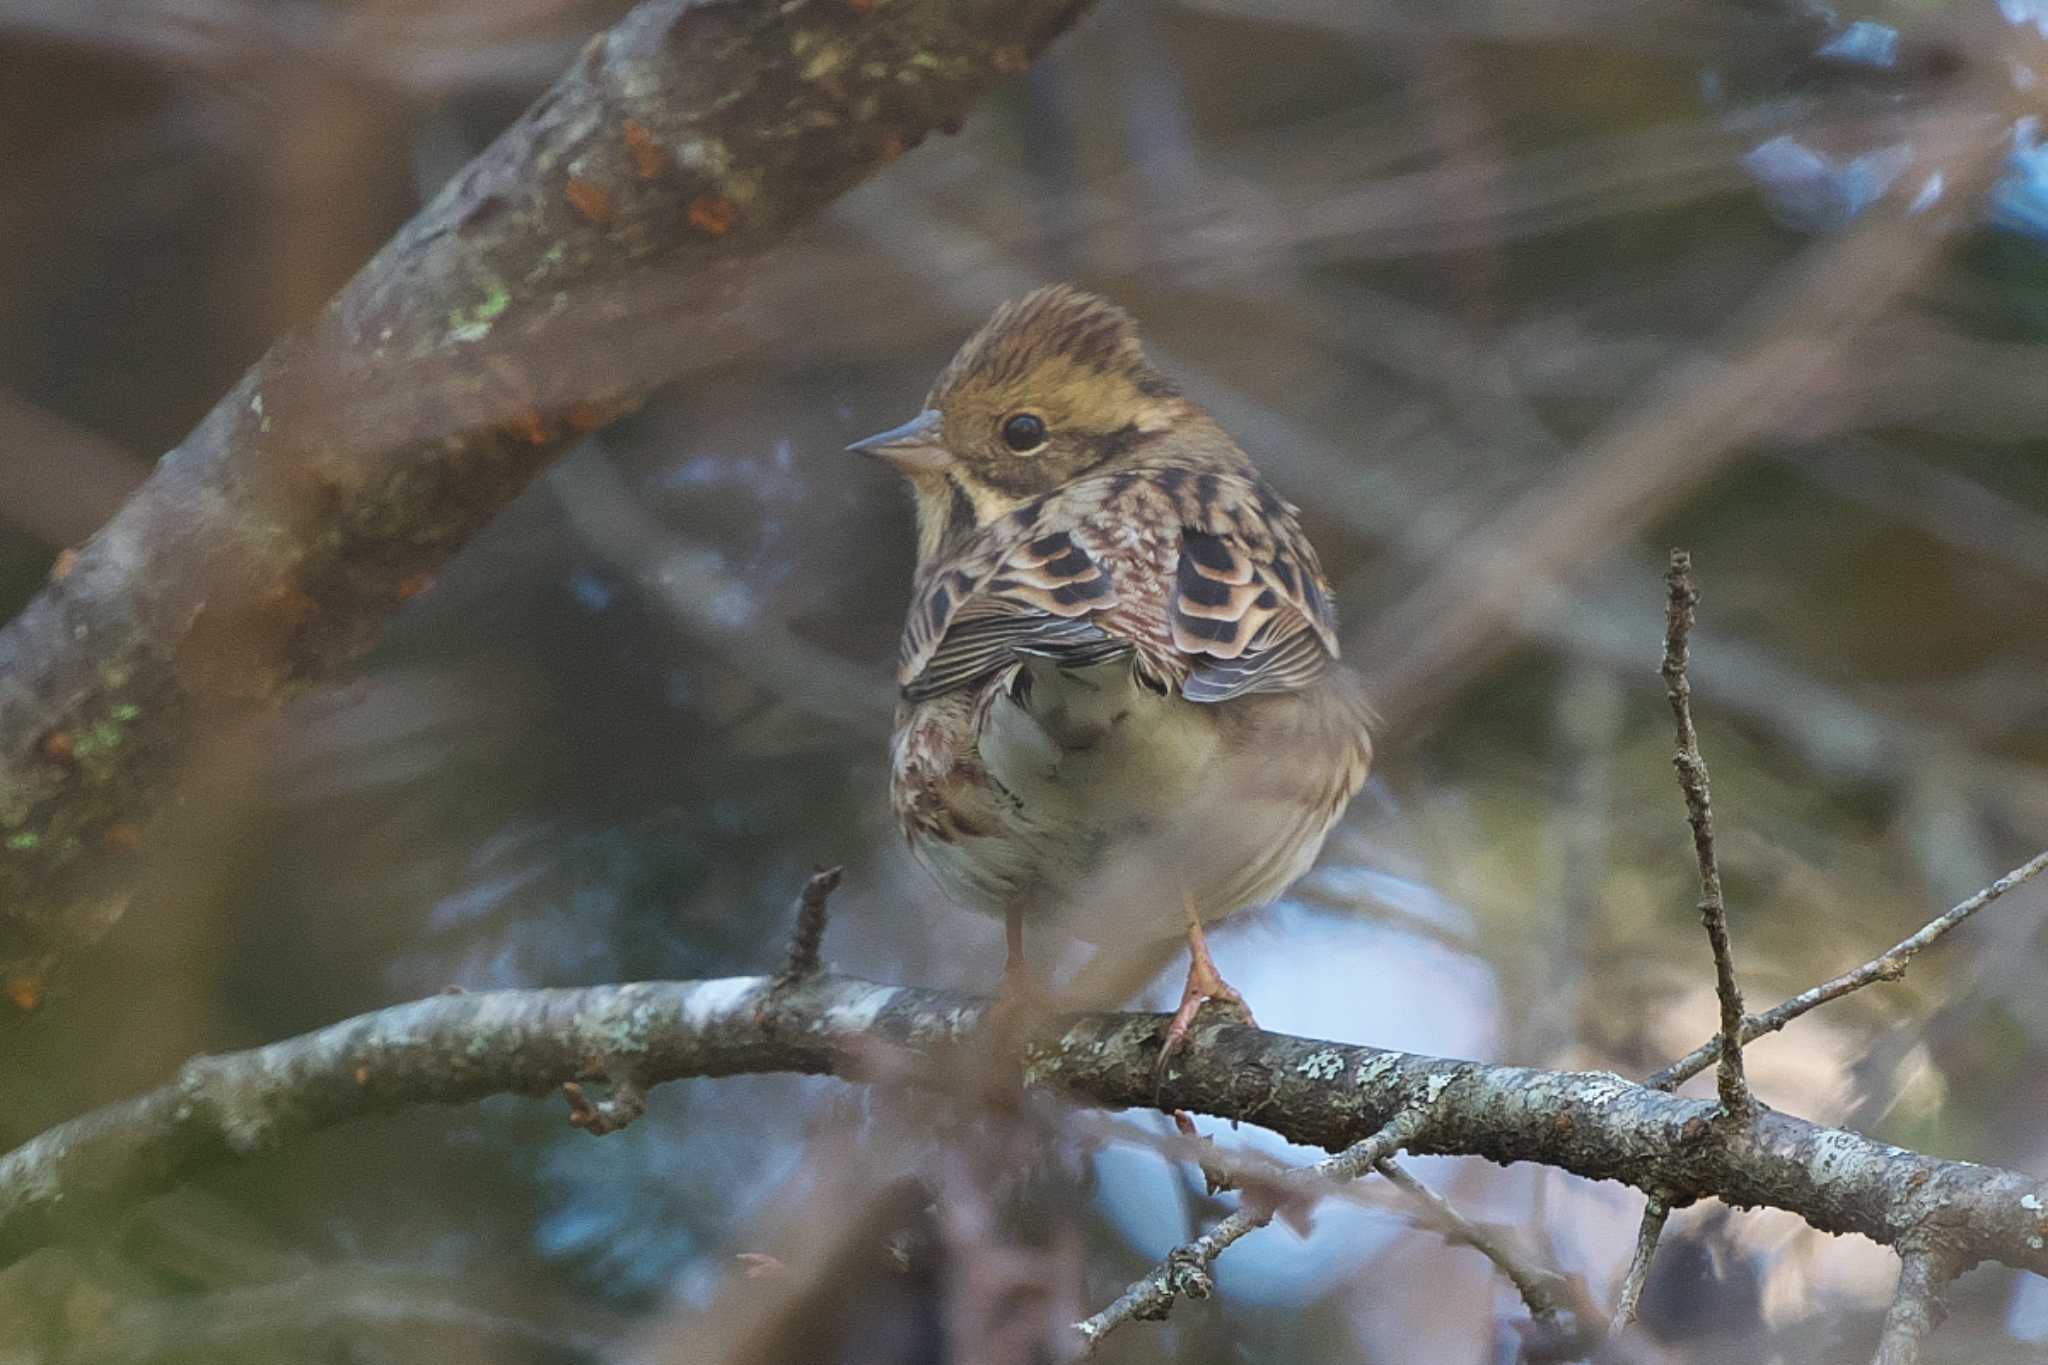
<point>1916,1307</point>
<point>460,1048</point>
<point>578,261</point>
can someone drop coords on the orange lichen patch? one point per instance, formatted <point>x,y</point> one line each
<point>1009,60</point>
<point>413,585</point>
<point>362,1075</point>
<point>891,145</point>
<point>123,836</point>
<point>648,157</point>
<point>582,416</point>
<point>67,560</point>
<point>861,6</point>
<point>712,214</point>
<point>25,991</point>
<point>59,746</point>
<point>590,200</point>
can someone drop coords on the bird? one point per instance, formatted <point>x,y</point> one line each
<point>1121,703</point>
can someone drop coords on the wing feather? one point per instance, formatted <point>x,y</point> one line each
<point>1236,604</point>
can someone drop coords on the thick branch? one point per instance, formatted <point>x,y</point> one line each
<point>460,1048</point>
<point>546,288</point>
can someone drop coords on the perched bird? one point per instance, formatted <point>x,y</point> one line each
<point>1121,702</point>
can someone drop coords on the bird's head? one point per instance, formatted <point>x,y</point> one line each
<point>1052,388</point>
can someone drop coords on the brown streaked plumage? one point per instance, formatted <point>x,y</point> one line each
<point>1121,697</point>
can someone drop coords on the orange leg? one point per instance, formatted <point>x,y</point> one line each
<point>1021,1001</point>
<point>1204,984</point>
<point>1013,933</point>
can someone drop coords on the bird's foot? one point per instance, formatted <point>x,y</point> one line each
<point>1205,986</point>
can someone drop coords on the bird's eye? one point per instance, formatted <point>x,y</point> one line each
<point>1023,432</point>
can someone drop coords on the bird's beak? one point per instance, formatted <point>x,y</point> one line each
<point>914,447</point>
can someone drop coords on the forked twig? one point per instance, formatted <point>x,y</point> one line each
<point>1185,1271</point>
<point>1889,965</point>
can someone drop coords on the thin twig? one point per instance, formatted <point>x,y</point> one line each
<point>1692,780</point>
<point>1652,1228</point>
<point>808,938</point>
<point>1546,1292</point>
<point>1916,1306</point>
<point>1185,1271</point>
<point>1889,965</point>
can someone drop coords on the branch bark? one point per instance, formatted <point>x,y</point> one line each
<point>541,293</point>
<point>461,1048</point>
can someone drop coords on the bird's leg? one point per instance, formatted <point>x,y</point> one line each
<point>1204,984</point>
<point>1021,1002</point>
<point>1014,969</point>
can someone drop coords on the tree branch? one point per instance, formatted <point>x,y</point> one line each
<point>461,1048</point>
<point>1648,1233</point>
<point>542,292</point>
<point>1916,1308</point>
<point>1890,965</point>
<point>1699,809</point>
<point>1185,1271</point>
<point>1560,1321</point>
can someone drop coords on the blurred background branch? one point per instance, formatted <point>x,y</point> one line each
<point>366,447</point>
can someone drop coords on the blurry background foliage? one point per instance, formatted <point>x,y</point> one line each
<point>1414,256</point>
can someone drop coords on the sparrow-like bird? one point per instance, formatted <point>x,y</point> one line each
<point>1121,702</point>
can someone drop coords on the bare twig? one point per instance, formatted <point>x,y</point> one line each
<point>1699,811</point>
<point>1652,1228</point>
<point>1185,1271</point>
<point>1889,965</point>
<point>808,938</point>
<point>1916,1305</point>
<point>1559,1317</point>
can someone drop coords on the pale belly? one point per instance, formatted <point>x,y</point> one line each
<point>1110,807</point>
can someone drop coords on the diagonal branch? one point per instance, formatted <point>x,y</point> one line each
<point>1699,810</point>
<point>1916,1307</point>
<point>460,1048</point>
<point>577,262</point>
<point>1184,1274</point>
<point>1890,965</point>
<point>1648,1233</point>
<point>1562,1322</point>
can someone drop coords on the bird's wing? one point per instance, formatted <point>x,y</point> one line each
<point>1206,576</point>
<point>999,601</point>
<point>1249,608</point>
